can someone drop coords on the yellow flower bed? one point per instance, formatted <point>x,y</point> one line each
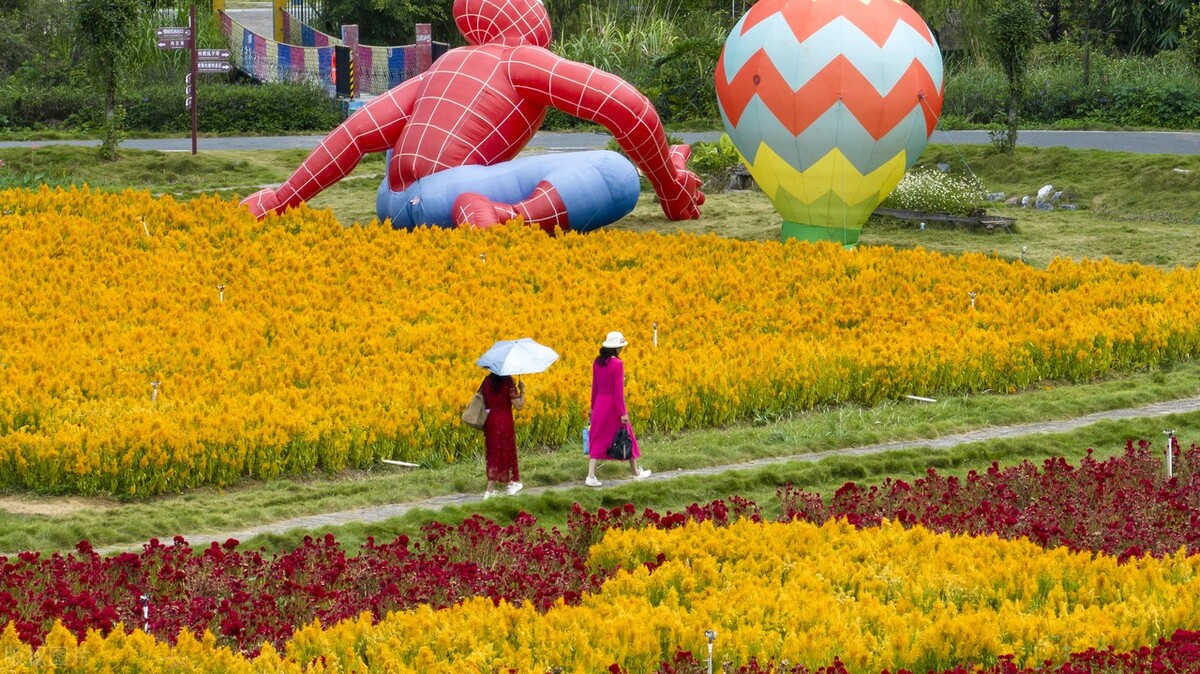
<point>885,597</point>
<point>153,346</point>
<point>878,598</point>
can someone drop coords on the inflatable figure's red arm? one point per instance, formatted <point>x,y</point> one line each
<point>372,128</point>
<point>597,96</point>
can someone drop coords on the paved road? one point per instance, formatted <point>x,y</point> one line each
<point>259,19</point>
<point>324,521</point>
<point>1146,142</point>
<point>1149,142</point>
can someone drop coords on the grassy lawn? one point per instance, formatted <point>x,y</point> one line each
<point>1132,208</point>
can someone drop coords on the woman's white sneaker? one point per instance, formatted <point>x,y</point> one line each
<point>513,488</point>
<point>642,474</point>
<point>592,482</point>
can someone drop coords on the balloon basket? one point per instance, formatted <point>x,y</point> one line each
<point>844,235</point>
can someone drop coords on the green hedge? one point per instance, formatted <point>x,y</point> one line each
<point>34,108</point>
<point>1170,106</point>
<point>1158,92</point>
<point>1131,92</point>
<point>223,107</point>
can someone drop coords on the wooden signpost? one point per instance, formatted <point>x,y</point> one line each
<point>201,61</point>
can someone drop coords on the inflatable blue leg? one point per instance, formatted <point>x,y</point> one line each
<point>597,188</point>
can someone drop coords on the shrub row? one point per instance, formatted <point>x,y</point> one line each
<point>160,108</point>
<point>1166,105</point>
<point>674,69</point>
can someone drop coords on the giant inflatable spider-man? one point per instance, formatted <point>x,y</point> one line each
<point>453,132</point>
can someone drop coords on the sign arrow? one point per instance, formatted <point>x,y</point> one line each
<point>213,66</point>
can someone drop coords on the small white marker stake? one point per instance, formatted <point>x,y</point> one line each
<point>1170,453</point>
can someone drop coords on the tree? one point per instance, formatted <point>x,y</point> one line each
<point>1189,34</point>
<point>389,22</point>
<point>35,39</point>
<point>1141,27</point>
<point>104,29</point>
<point>1013,29</point>
<point>958,24</point>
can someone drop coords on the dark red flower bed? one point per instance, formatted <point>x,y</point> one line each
<point>1124,506</point>
<point>247,599</point>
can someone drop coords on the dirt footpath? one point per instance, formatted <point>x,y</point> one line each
<point>380,513</point>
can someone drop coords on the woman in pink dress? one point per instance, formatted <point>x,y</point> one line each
<point>501,396</point>
<point>608,412</point>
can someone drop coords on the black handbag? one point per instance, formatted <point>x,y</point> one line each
<point>621,448</point>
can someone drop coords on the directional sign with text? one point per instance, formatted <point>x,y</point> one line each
<point>213,66</point>
<point>212,54</point>
<point>173,37</point>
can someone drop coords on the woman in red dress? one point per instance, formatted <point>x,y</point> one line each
<point>501,396</point>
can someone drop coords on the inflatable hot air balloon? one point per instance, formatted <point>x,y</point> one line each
<point>829,102</point>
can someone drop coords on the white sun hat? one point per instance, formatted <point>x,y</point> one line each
<point>614,340</point>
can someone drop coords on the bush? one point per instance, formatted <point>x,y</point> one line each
<point>669,59</point>
<point>974,94</point>
<point>715,162</point>
<point>30,107</point>
<point>671,62</point>
<point>263,108</point>
<point>159,108</point>
<point>682,86</point>
<point>935,191</point>
<point>1153,92</point>
<point>557,120</point>
<point>1170,105</point>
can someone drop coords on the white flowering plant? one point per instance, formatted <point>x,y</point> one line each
<point>935,191</point>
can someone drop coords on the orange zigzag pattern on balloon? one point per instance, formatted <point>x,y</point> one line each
<point>874,18</point>
<point>838,81</point>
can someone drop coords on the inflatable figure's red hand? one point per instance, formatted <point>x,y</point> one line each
<point>262,202</point>
<point>684,204</point>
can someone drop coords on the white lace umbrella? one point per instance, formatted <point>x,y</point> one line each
<point>517,356</point>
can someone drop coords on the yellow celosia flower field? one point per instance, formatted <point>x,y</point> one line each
<point>151,346</point>
<point>884,597</point>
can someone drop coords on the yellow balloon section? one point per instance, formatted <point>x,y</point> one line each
<point>831,186</point>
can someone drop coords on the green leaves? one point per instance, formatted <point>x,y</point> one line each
<point>1011,33</point>
<point>103,28</point>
